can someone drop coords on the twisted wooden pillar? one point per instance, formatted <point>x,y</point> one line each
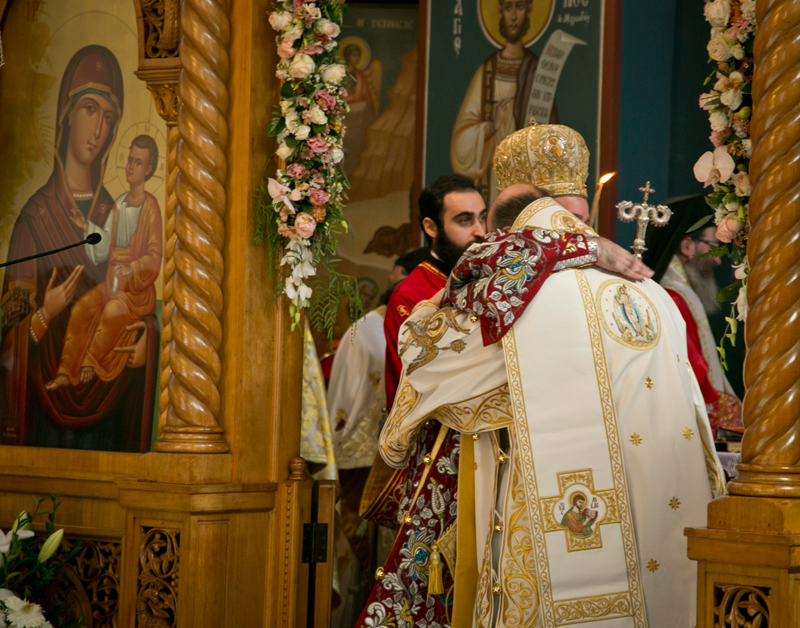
<point>192,416</point>
<point>168,303</point>
<point>771,448</point>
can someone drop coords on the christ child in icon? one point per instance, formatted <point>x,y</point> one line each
<point>104,323</point>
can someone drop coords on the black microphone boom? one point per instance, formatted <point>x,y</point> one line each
<point>92,238</point>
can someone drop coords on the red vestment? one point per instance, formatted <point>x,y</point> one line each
<point>423,282</point>
<point>723,409</point>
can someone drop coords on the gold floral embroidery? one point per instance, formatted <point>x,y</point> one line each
<point>610,606</point>
<point>649,383</point>
<point>427,332</point>
<point>636,439</point>
<point>653,565</point>
<point>674,503</point>
<point>687,433</point>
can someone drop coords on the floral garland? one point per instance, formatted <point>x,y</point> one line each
<point>300,213</point>
<point>729,103</point>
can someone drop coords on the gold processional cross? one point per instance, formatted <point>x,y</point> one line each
<point>643,214</point>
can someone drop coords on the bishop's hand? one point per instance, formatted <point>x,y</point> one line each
<point>611,256</point>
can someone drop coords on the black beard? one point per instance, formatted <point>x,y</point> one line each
<point>700,273</point>
<point>448,251</point>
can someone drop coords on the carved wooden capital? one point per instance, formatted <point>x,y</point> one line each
<point>167,100</point>
<point>771,445</point>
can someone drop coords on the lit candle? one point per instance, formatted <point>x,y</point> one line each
<point>593,217</point>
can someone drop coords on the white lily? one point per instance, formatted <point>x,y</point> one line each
<point>7,539</point>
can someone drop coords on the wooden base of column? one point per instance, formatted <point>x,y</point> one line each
<point>766,481</point>
<point>748,563</point>
<point>193,440</point>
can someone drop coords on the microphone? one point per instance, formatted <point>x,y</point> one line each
<point>92,238</point>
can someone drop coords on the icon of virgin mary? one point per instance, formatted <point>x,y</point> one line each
<point>38,294</point>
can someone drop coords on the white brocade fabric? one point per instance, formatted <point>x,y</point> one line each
<point>316,442</point>
<point>580,511</point>
<point>356,394</point>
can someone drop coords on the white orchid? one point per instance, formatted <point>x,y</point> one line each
<point>716,167</point>
<point>741,304</point>
<point>283,194</point>
<point>7,539</point>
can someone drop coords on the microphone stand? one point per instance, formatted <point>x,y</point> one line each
<point>89,240</point>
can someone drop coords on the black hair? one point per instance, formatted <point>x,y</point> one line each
<point>431,199</point>
<point>410,260</point>
<point>506,211</point>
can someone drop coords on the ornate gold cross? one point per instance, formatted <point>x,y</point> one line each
<point>643,213</point>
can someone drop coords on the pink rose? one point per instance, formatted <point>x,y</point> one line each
<point>318,197</point>
<point>286,50</point>
<point>729,228</point>
<point>305,225</point>
<point>705,100</point>
<point>297,4</point>
<point>742,183</point>
<point>718,138</point>
<point>296,170</point>
<point>318,144</point>
<point>325,100</point>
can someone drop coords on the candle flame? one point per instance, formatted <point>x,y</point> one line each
<point>607,177</point>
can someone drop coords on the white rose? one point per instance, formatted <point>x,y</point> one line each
<point>318,115</point>
<point>736,77</point>
<point>731,98</point>
<point>720,120</point>
<point>302,132</point>
<point>314,13</point>
<point>737,51</point>
<point>334,73</point>
<point>284,151</point>
<point>747,147</point>
<point>293,34</point>
<point>280,20</point>
<point>301,67</point>
<point>337,155</point>
<point>718,48</point>
<point>326,27</point>
<point>749,10</point>
<point>717,12</point>
<point>286,106</point>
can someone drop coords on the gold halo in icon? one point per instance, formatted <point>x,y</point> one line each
<point>362,46</point>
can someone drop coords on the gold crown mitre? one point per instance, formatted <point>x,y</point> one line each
<point>551,157</point>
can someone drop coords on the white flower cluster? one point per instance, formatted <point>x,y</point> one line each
<point>307,194</point>
<point>733,24</point>
<point>19,613</point>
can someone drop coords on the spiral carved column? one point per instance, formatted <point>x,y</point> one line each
<point>771,447</point>
<point>192,415</point>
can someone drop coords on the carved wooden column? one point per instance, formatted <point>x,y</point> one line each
<point>160,68</point>
<point>192,421</point>
<point>749,557</point>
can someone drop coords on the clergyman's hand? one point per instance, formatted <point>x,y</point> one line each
<point>613,257</point>
<point>57,298</point>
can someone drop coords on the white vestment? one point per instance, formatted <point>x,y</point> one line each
<point>580,509</point>
<point>356,394</point>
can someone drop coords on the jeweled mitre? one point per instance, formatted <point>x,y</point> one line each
<point>551,157</point>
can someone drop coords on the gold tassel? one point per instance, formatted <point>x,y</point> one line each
<point>435,582</point>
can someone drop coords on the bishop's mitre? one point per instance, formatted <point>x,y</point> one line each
<point>551,157</point>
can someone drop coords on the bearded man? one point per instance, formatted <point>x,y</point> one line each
<point>496,101</point>
<point>682,265</point>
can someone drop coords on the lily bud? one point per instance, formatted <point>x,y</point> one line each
<point>743,113</point>
<point>18,521</point>
<point>51,545</point>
